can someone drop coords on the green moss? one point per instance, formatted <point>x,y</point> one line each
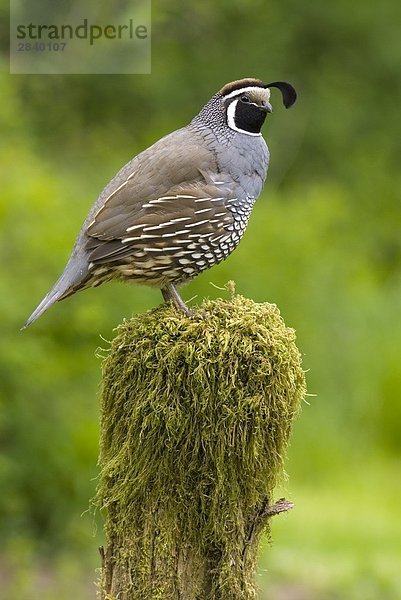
<point>196,416</point>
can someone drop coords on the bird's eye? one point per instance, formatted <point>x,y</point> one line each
<point>244,99</point>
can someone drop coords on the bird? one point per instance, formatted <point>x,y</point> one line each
<point>180,206</point>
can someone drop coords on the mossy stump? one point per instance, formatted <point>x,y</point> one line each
<point>196,416</point>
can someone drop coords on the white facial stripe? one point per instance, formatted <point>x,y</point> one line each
<point>231,119</point>
<point>244,90</point>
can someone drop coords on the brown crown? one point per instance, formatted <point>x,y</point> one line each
<point>240,83</point>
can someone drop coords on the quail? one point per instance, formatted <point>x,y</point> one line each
<point>180,206</point>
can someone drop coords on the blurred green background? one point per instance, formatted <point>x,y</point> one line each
<point>323,243</point>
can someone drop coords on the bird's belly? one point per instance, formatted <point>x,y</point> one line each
<point>158,262</point>
<point>181,261</point>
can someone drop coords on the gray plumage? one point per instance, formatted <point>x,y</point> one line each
<point>180,206</point>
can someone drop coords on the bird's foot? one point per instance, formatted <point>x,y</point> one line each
<point>170,294</point>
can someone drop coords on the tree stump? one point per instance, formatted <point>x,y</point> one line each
<point>195,420</point>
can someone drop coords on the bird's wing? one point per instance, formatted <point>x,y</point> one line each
<point>165,195</point>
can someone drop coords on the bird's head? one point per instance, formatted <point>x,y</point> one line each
<point>247,102</point>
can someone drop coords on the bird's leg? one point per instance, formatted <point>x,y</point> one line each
<point>170,293</point>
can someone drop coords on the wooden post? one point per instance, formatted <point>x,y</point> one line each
<point>196,416</point>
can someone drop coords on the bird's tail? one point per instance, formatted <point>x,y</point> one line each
<point>55,294</point>
<point>71,280</point>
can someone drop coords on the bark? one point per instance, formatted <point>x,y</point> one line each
<point>190,575</point>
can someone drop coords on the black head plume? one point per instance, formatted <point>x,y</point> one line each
<point>288,92</point>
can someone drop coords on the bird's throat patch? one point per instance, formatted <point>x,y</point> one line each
<point>245,117</point>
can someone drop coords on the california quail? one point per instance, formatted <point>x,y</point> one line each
<point>182,205</point>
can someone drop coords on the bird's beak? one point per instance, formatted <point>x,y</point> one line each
<point>267,107</point>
